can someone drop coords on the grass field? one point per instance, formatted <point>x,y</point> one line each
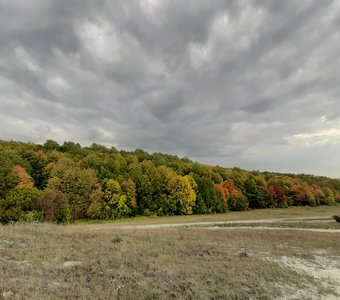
<point>46,261</point>
<point>268,213</point>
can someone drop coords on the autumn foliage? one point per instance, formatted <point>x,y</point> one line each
<point>278,196</point>
<point>65,183</point>
<point>232,196</point>
<point>25,180</point>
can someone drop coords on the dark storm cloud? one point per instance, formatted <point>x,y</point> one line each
<point>248,83</point>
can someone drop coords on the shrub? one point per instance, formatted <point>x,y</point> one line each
<point>18,203</point>
<point>336,218</point>
<point>33,216</point>
<point>55,206</point>
<point>237,203</point>
<point>327,201</point>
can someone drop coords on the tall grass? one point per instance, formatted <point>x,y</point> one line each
<point>45,261</point>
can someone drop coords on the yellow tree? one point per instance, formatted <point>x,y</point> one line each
<point>115,200</point>
<point>182,192</point>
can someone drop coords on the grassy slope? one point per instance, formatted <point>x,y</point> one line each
<point>269,213</point>
<point>153,264</point>
<point>45,261</point>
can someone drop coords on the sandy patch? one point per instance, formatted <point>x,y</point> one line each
<point>274,228</point>
<point>326,270</point>
<point>105,227</point>
<point>70,264</point>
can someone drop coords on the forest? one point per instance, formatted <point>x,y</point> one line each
<point>65,183</point>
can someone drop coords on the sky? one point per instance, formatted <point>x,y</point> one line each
<point>253,84</point>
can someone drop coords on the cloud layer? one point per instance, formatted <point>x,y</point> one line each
<point>253,84</point>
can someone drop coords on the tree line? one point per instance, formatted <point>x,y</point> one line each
<point>68,182</point>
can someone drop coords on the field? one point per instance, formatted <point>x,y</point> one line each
<point>265,254</point>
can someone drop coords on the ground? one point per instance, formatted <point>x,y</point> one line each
<point>265,254</point>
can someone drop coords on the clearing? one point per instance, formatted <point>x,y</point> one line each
<point>267,254</point>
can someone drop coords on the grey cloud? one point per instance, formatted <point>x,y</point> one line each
<point>243,83</point>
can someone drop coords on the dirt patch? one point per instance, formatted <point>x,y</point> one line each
<point>275,228</point>
<point>324,269</point>
<point>7,295</point>
<point>70,264</point>
<point>106,227</point>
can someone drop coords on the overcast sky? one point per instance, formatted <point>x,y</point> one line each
<point>254,84</point>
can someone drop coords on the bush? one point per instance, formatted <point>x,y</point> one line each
<point>55,206</point>
<point>18,204</point>
<point>327,201</point>
<point>336,218</point>
<point>33,216</point>
<point>237,203</point>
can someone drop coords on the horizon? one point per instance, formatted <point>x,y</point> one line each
<point>178,156</point>
<point>252,84</point>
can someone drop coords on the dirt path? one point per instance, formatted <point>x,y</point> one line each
<point>217,225</point>
<point>276,228</point>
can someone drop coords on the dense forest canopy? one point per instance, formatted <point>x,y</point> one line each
<point>64,183</point>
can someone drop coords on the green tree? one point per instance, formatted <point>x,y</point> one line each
<point>80,185</point>
<point>209,199</point>
<point>8,179</point>
<point>37,161</point>
<point>149,186</point>
<point>51,145</point>
<point>20,204</point>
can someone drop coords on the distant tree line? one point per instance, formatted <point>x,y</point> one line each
<point>64,183</point>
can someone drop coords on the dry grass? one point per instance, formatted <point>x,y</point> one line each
<point>57,262</point>
<point>317,224</point>
<point>269,213</point>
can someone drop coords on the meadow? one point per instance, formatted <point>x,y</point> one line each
<point>131,260</point>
